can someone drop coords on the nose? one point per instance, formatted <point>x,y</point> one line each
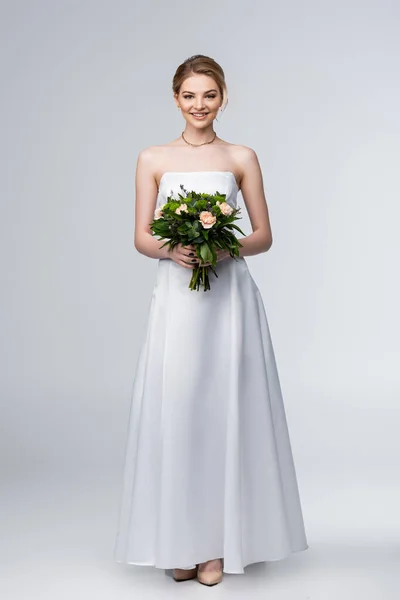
<point>199,103</point>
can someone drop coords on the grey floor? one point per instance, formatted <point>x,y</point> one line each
<point>58,535</point>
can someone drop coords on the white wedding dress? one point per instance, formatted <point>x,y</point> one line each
<point>209,470</point>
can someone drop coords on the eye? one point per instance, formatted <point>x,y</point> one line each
<point>191,96</point>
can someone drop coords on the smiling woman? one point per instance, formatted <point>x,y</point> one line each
<point>199,104</point>
<point>209,482</point>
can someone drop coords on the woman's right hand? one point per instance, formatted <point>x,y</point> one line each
<point>184,255</point>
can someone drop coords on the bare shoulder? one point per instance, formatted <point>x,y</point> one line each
<point>150,160</point>
<point>244,154</point>
<point>246,160</point>
<point>241,153</point>
<point>150,153</point>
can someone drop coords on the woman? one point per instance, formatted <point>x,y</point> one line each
<point>209,483</point>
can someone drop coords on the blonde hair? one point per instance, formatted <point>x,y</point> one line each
<point>199,63</point>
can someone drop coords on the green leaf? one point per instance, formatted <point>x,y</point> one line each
<point>237,228</point>
<point>205,252</point>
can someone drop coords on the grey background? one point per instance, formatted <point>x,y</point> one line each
<point>314,89</point>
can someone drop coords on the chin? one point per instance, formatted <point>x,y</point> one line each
<point>200,123</point>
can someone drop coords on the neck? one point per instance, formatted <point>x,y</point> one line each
<point>198,136</point>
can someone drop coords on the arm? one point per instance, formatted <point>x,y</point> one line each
<point>146,196</point>
<point>253,194</point>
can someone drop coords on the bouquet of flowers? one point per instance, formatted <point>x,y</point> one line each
<point>204,220</point>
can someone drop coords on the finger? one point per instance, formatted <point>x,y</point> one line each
<point>190,260</point>
<point>184,264</point>
<point>187,250</point>
<point>189,256</point>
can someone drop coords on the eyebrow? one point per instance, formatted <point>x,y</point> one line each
<point>187,92</point>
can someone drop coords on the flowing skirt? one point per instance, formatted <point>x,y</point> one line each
<point>209,471</point>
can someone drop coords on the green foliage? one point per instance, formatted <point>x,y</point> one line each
<point>186,228</point>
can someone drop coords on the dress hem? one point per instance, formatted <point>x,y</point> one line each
<point>252,562</point>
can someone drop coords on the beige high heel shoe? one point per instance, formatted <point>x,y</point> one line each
<point>184,574</point>
<point>210,577</point>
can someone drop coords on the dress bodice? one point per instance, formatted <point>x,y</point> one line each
<point>199,181</point>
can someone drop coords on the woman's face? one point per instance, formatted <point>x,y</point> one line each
<point>199,99</point>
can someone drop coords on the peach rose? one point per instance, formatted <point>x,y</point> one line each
<point>226,209</point>
<point>158,213</point>
<point>207,219</point>
<point>183,207</point>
